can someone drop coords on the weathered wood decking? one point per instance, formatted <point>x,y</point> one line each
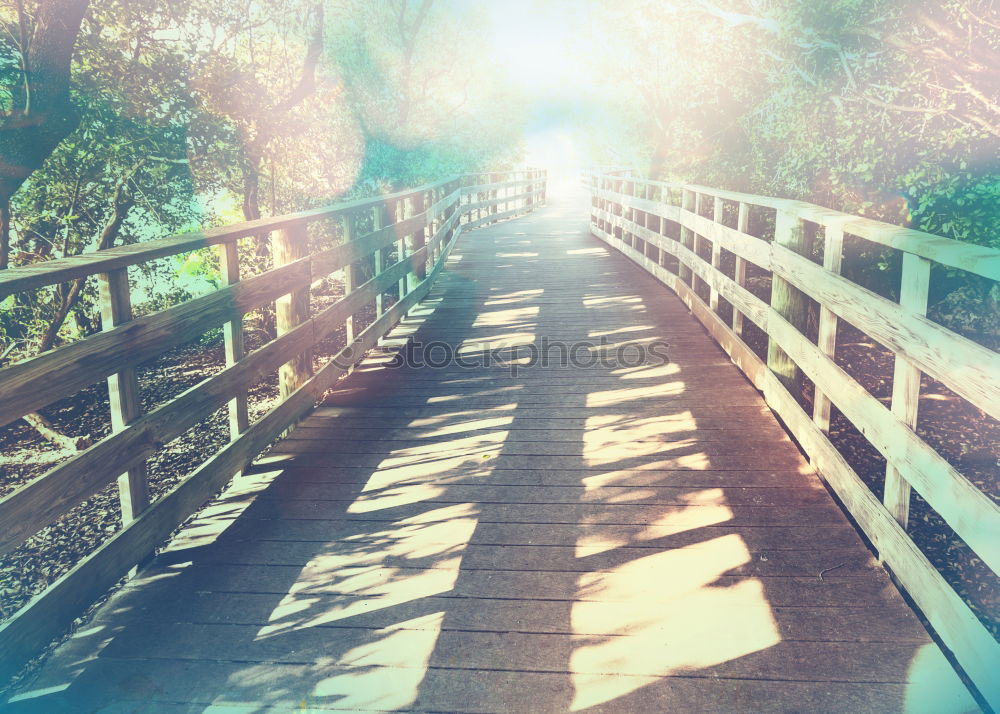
<point>566,538</point>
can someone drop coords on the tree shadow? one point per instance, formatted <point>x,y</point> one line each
<point>510,537</point>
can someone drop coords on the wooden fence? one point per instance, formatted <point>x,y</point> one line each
<point>406,238</point>
<point>678,234</point>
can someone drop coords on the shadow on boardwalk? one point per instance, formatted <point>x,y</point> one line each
<point>563,539</point>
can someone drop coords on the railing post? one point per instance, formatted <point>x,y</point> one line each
<point>833,258</point>
<point>453,207</point>
<point>439,210</point>
<point>350,272</point>
<point>661,225</point>
<point>419,238</point>
<point>232,333</point>
<point>628,213</point>
<point>480,197</point>
<point>689,202</point>
<point>292,309</point>
<point>619,212</point>
<point>717,212</point>
<point>123,390</point>
<point>787,301</point>
<point>378,221</point>
<point>646,215</point>
<point>494,196</point>
<point>906,381</point>
<point>401,210</point>
<point>742,225</point>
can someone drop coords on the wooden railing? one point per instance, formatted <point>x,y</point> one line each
<point>415,228</point>
<point>664,228</point>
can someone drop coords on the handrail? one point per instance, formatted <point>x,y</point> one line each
<point>417,228</point>
<point>20,279</point>
<point>976,259</point>
<point>659,226</point>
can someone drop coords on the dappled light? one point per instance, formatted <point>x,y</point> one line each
<point>676,618</point>
<point>470,436</point>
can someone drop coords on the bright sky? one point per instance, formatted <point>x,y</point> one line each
<point>535,42</point>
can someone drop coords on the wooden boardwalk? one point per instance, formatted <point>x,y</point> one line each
<point>618,536</point>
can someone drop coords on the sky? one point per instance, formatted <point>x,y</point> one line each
<point>538,45</point>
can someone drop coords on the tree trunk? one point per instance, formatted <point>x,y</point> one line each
<point>42,114</point>
<point>65,305</point>
<point>4,231</point>
<point>44,427</point>
<point>123,203</point>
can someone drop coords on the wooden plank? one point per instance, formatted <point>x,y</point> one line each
<point>833,256</point>
<point>402,213</point>
<point>968,369</point>
<point>50,613</point>
<point>419,239</point>
<point>972,258</point>
<point>378,220</point>
<point>906,385</point>
<point>973,515</point>
<point>123,390</point>
<point>976,259</point>
<point>787,301</point>
<point>540,494</point>
<point>717,210</point>
<point>951,618</point>
<point>29,385</point>
<point>959,628</point>
<point>480,614</point>
<point>234,346</point>
<point>350,274</point>
<point>740,275</point>
<point>19,279</point>
<point>477,188</point>
<point>292,309</point>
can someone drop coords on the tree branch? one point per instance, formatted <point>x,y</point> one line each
<point>41,115</point>
<point>307,82</point>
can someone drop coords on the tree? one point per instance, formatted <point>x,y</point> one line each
<point>248,80</point>
<point>38,112</point>
<point>425,108</point>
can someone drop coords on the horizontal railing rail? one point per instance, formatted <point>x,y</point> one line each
<point>415,229</point>
<point>663,228</point>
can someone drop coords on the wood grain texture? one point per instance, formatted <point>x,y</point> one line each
<point>44,499</point>
<point>29,385</point>
<point>586,544</point>
<point>891,432</point>
<point>51,272</point>
<point>124,398</point>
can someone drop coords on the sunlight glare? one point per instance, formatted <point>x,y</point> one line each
<point>384,674</point>
<point>663,614</point>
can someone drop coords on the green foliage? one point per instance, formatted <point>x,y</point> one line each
<point>883,108</point>
<point>204,112</point>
